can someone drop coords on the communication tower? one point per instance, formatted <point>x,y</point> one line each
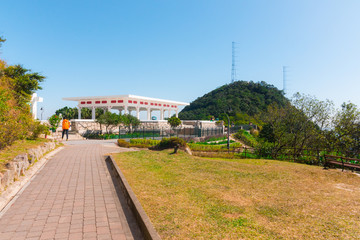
<point>285,69</point>
<point>233,66</point>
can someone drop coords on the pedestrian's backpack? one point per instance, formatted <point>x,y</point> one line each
<point>66,124</point>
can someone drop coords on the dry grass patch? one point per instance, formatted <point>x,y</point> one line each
<point>189,197</point>
<point>18,147</point>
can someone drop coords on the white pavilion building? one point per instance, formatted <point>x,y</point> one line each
<point>127,103</point>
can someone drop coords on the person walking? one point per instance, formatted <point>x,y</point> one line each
<point>65,128</point>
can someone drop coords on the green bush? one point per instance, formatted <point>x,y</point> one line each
<point>37,128</point>
<point>264,149</point>
<point>123,143</point>
<point>173,142</point>
<point>144,142</point>
<point>54,121</point>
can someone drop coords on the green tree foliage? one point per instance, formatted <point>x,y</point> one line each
<point>110,120</point>
<point>72,113</point>
<point>174,122</point>
<point>346,131</point>
<point>130,121</point>
<point>16,86</point>
<point>298,125</point>
<point>247,98</point>
<point>23,82</point>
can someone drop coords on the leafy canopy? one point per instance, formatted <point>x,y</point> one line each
<point>174,122</point>
<point>246,98</point>
<point>23,81</point>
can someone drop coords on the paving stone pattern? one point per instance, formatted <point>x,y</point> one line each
<point>72,197</point>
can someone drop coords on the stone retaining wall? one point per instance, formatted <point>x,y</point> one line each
<point>81,126</point>
<point>18,166</point>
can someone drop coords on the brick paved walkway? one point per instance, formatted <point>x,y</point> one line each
<point>72,197</point>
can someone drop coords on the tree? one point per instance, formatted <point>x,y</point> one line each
<point>298,125</point>
<point>70,113</point>
<point>174,122</point>
<point>346,129</point>
<point>23,81</point>
<point>243,97</point>
<point>130,121</point>
<point>16,86</point>
<point>110,120</point>
<point>86,113</point>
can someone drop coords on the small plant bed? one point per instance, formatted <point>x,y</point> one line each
<point>138,143</point>
<point>189,197</point>
<point>18,147</point>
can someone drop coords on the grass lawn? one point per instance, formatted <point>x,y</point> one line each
<point>17,148</point>
<point>190,197</point>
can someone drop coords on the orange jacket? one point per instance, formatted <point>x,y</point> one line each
<point>65,124</point>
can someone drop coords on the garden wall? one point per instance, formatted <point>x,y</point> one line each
<point>81,126</point>
<point>20,164</point>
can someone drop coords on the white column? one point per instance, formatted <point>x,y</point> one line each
<point>93,113</point>
<point>169,113</point>
<point>138,113</point>
<point>79,113</point>
<point>108,108</point>
<point>177,113</point>
<point>148,114</point>
<point>126,110</point>
<point>161,114</point>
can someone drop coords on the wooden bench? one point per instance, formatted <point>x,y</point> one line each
<point>344,162</point>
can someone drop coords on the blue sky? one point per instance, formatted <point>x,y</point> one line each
<point>180,50</point>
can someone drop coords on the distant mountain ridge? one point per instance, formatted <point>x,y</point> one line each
<point>250,98</point>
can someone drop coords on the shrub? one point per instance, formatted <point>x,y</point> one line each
<point>143,143</point>
<point>254,132</point>
<point>54,121</point>
<point>173,142</point>
<point>264,149</point>
<point>37,128</point>
<point>123,143</point>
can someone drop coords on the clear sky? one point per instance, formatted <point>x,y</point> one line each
<point>181,49</point>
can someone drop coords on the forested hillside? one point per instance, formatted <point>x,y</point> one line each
<point>247,98</point>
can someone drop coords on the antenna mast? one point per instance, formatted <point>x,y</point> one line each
<point>233,66</point>
<point>284,79</point>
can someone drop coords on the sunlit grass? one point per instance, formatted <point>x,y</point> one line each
<point>190,197</point>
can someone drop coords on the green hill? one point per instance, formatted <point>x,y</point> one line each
<point>242,97</point>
